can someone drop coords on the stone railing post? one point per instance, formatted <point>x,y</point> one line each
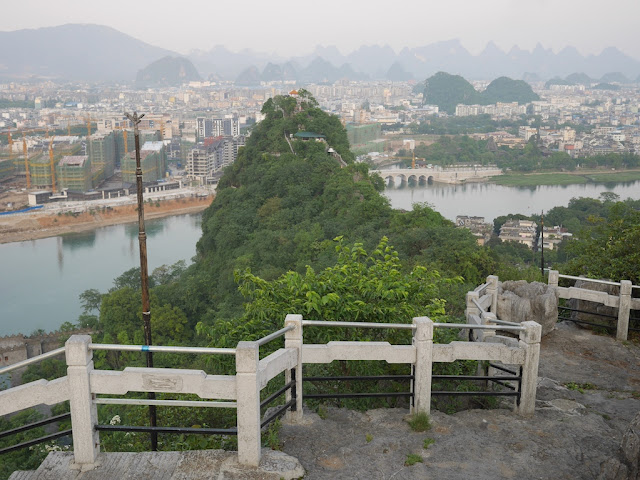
<point>487,319</point>
<point>84,413</point>
<point>423,341</point>
<point>530,341</point>
<point>492,289</point>
<point>248,397</point>
<point>553,278</point>
<point>471,306</point>
<point>293,339</point>
<point>624,308</point>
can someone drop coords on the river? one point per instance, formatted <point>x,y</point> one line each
<point>41,279</point>
<point>489,200</point>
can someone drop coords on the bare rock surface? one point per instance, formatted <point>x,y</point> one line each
<point>588,395</point>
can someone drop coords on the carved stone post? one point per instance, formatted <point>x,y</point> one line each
<point>624,308</point>
<point>530,341</point>
<point>248,393</point>
<point>423,341</point>
<point>293,339</point>
<point>84,414</point>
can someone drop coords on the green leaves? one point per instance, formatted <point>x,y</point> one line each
<point>358,287</point>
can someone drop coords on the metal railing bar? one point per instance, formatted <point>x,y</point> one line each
<point>275,395</point>
<point>178,430</point>
<point>36,441</point>
<point>478,327</point>
<point>611,327</point>
<point>474,377</point>
<point>39,358</point>
<point>274,335</point>
<point>281,410</point>
<point>481,394</point>
<point>165,403</point>
<point>37,424</point>
<point>503,369</point>
<point>510,387</point>
<point>606,282</point>
<point>475,300</point>
<point>358,395</point>
<point>324,323</point>
<point>162,349</point>
<point>379,377</point>
<point>503,322</point>
<point>587,312</point>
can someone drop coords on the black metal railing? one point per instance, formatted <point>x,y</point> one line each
<point>410,378</point>
<point>281,409</point>
<point>567,314</point>
<point>498,379</point>
<point>31,426</point>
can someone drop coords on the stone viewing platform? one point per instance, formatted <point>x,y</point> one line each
<point>565,404</point>
<point>573,435</point>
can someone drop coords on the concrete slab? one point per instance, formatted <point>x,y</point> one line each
<point>192,465</point>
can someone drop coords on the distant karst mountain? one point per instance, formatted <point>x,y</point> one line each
<point>167,72</point>
<point>74,52</point>
<point>99,53</point>
<point>447,91</point>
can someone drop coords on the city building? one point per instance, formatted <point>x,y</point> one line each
<point>520,231</point>
<point>153,162</point>
<point>74,173</point>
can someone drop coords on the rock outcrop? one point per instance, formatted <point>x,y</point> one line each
<point>520,301</point>
<point>626,466</point>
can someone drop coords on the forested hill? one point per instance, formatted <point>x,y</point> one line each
<point>278,210</point>
<point>447,91</point>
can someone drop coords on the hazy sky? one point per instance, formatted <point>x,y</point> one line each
<point>291,28</point>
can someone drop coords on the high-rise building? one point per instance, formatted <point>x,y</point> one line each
<point>101,149</point>
<point>74,173</point>
<point>153,162</point>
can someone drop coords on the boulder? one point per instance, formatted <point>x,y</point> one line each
<point>521,301</point>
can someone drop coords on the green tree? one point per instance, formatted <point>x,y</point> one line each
<point>609,247</point>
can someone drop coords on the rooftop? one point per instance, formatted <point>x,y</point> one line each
<point>74,160</point>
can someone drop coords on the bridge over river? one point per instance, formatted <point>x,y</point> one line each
<point>425,175</point>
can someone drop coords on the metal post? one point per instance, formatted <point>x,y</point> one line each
<point>542,244</point>
<point>144,272</point>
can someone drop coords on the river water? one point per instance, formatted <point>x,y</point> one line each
<point>490,200</point>
<point>41,279</point>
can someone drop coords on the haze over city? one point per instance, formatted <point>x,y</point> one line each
<point>290,28</point>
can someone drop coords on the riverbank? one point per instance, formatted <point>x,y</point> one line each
<point>43,224</point>
<point>565,178</point>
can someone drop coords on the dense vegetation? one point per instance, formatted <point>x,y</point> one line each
<point>446,91</point>
<point>465,150</point>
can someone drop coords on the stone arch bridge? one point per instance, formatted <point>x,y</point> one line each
<point>426,175</point>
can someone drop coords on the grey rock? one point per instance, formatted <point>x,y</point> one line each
<point>520,301</point>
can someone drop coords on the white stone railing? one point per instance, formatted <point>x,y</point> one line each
<point>623,302</point>
<point>242,391</point>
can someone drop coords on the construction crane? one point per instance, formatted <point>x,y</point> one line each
<point>412,158</point>
<point>53,169</point>
<point>26,160</point>
<point>88,125</point>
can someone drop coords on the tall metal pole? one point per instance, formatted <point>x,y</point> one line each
<point>542,243</point>
<point>144,271</point>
